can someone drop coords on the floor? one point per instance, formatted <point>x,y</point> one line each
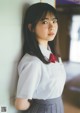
<point>71,93</point>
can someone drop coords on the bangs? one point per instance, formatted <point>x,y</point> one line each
<point>42,15</point>
<point>45,13</point>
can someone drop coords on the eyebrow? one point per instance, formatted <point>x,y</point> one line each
<point>48,18</point>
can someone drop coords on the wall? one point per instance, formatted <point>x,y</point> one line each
<point>10,46</point>
<point>10,49</point>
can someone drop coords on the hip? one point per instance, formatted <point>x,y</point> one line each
<point>46,106</point>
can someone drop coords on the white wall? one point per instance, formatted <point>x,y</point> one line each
<point>10,49</point>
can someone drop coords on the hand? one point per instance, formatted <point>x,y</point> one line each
<point>22,104</point>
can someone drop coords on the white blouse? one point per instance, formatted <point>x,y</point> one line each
<point>38,80</point>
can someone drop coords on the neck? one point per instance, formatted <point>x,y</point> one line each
<point>44,45</point>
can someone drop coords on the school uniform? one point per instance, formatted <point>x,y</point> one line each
<point>41,83</point>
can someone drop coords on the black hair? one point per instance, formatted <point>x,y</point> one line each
<point>32,15</point>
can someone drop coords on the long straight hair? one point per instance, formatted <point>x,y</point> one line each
<point>32,16</point>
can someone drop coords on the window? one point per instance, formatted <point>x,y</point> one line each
<point>75,39</point>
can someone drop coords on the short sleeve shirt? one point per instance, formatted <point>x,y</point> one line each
<point>38,80</point>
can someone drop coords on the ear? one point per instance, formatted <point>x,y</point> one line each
<point>30,27</point>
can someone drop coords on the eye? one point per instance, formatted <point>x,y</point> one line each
<point>44,21</point>
<point>54,20</point>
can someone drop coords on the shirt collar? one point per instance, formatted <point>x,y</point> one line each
<point>45,51</point>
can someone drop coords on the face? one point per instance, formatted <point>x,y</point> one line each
<point>46,29</point>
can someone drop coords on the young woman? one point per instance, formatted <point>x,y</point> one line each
<point>41,72</point>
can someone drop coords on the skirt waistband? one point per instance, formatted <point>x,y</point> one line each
<point>47,101</point>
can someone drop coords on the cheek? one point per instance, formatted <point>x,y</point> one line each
<point>43,30</point>
<point>56,28</point>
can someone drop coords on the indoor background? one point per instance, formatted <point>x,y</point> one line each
<point>69,39</point>
<point>11,12</point>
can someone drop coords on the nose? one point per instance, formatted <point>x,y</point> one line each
<point>51,25</point>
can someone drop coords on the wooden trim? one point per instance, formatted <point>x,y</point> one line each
<point>54,2</point>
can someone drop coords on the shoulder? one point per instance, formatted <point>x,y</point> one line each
<point>29,61</point>
<point>27,58</point>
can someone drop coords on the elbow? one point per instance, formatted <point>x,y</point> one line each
<point>22,104</point>
<point>19,107</point>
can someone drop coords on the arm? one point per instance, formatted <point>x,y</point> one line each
<point>27,84</point>
<point>22,104</point>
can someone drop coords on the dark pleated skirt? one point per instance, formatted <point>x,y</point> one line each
<point>46,106</point>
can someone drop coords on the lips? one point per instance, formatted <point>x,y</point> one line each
<point>51,34</point>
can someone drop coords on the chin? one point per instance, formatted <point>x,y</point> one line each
<point>51,39</point>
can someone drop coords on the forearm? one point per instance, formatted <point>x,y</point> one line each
<point>22,104</point>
